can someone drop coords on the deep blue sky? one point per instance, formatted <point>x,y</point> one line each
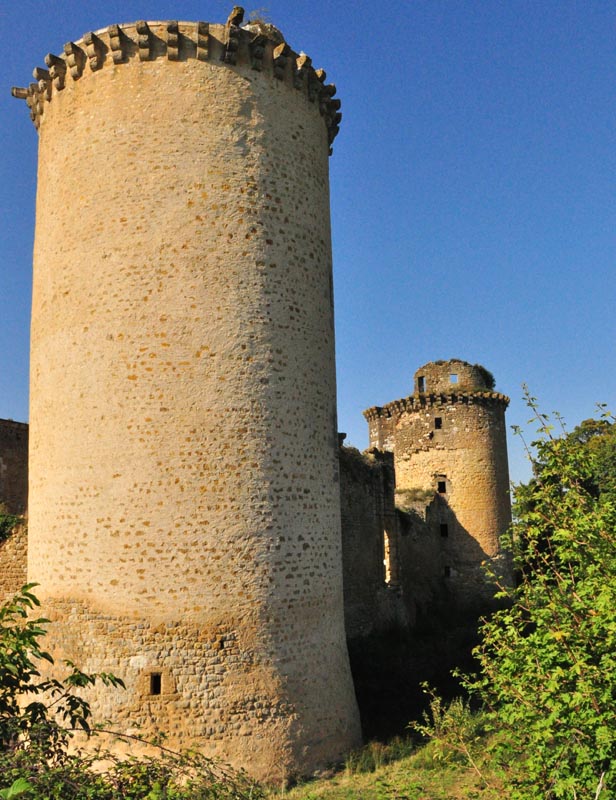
<point>473,189</point>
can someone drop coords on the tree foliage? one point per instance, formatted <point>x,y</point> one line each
<point>8,523</point>
<point>38,716</point>
<point>35,710</point>
<point>548,659</point>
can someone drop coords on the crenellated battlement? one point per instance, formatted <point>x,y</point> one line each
<point>259,47</point>
<point>419,401</point>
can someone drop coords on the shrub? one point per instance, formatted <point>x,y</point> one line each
<point>548,660</point>
<point>37,719</point>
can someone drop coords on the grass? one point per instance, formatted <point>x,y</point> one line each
<point>400,770</point>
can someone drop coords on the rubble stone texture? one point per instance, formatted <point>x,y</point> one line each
<point>184,505</point>
<point>13,560</point>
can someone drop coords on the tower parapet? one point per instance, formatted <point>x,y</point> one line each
<point>258,46</point>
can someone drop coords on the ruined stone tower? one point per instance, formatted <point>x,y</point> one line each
<point>450,453</point>
<point>184,508</point>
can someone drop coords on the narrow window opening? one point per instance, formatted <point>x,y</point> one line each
<point>156,683</point>
<point>421,384</point>
<point>447,572</point>
<point>438,423</point>
<point>444,530</point>
<point>390,558</point>
<point>453,378</point>
<point>386,558</point>
<point>441,487</point>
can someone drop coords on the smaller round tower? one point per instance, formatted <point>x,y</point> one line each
<point>449,444</point>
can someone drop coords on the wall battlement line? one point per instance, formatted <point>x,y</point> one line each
<point>146,41</point>
<point>417,401</point>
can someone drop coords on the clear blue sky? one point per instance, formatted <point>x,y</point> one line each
<point>473,189</point>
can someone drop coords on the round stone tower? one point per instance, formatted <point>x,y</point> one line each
<point>184,513</point>
<point>450,450</point>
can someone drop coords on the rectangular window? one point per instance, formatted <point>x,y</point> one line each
<point>444,530</point>
<point>453,378</point>
<point>421,384</point>
<point>447,572</point>
<point>438,423</point>
<point>441,487</point>
<point>156,683</point>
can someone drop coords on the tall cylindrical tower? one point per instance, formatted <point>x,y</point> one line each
<point>184,516</point>
<point>450,449</point>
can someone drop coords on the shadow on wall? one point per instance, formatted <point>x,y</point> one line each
<point>415,621</point>
<point>441,562</point>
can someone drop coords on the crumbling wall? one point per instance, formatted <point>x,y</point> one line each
<point>437,377</point>
<point>13,466</point>
<point>370,543</point>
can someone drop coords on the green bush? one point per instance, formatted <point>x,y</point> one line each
<point>456,734</point>
<point>548,660</point>
<point>39,715</point>
<point>7,523</point>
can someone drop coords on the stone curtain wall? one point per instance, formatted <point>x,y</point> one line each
<point>367,498</point>
<point>182,309</point>
<point>13,466</point>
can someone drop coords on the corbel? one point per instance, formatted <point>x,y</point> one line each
<point>203,41</point>
<point>116,43</point>
<point>313,86</point>
<point>325,96</point>
<point>301,71</point>
<point>143,40</point>
<point>256,47</point>
<point>332,132</point>
<point>75,58</point>
<point>280,57</point>
<point>173,41</point>
<point>43,80</point>
<point>34,104</point>
<point>30,98</point>
<point>232,44</point>
<point>57,70</point>
<point>94,50</point>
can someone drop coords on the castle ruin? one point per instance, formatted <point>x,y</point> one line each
<point>183,311</point>
<point>449,446</point>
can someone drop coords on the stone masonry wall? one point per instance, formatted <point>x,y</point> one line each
<point>14,466</point>
<point>369,523</point>
<point>464,463</point>
<point>182,310</point>
<point>13,557</point>
<point>438,377</point>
